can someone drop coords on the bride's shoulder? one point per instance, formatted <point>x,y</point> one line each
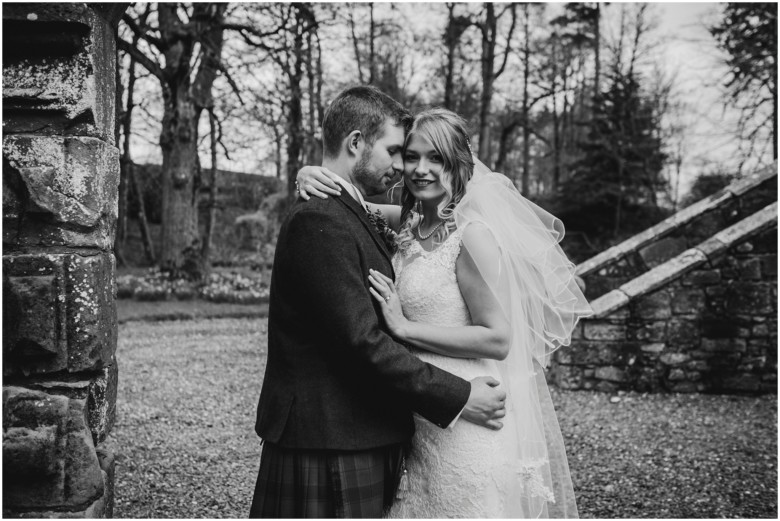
<point>478,240</point>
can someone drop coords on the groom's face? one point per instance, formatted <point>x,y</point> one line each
<point>379,166</point>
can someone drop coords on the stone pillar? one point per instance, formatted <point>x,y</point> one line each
<point>60,177</point>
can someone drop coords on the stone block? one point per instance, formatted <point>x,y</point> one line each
<point>659,276</point>
<point>656,305</point>
<point>688,301</point>
<point>744,382</point>
<point>702,277</point>
<point>683,387</point>
<point>609,304</point>
<point>653,348</point>
<point>49,460</point>
<point>610,373</point>
<point>758,346</point>
<point>651,332</point>
<point>719,327</point>
<point>750,298</point>
<point>58,71</point>
<point>674,358</point>
<point>749,269</point>
<point>106,453</point>
<point>606,387</point>
<point>59,313</point>
<point>568,377</point>
<point>97,510</point>
<point>724,345</point>
<point>676,375</point>
<point>59,192</point>
<point>593,330</point>
<point>660,251</point>
<point>769,266</point>
<point>595,353</point>
<point>99,391</point>
<point>681,332</point>
<point>698,365</point>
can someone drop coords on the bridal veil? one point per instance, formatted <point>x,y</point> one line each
<point>535,285</point>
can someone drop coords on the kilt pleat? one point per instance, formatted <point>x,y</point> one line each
<point>324,484</point>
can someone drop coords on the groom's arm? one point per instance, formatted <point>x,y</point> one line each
<point>326,259</point>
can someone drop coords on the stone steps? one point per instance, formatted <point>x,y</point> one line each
<point>677,234</point>
<point>703,320</point>
<point>686,261</point>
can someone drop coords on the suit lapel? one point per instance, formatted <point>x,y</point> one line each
<point>360,212</point>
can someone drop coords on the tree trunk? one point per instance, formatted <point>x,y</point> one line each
<point>179,143</point>
<point>504,143</point>
<point>213,190</point>
<point>774,123</point>
<point>295,117</point>
<point>487,61</point>
<point>320,106</point>
<point>450,41</point>
<point>143,223</point>
<point>556,177</point>
<point>597,51</point>
<point>355,44</point>
<point>310,131</point>
<point>121,221</point>
<point>526,183</point>
<point>371,49</point>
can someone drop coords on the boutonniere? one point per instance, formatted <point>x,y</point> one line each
<point>385,232</point>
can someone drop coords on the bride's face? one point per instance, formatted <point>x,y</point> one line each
<point>423,167</point>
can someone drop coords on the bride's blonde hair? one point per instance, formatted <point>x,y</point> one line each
<point>448,134</point>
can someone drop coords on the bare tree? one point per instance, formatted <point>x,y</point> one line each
<point>181,48</point>
<point>488,27</point>
<point>289,49</point>
<point>748,36</point>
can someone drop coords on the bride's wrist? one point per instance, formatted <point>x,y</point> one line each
<point>401,330</point>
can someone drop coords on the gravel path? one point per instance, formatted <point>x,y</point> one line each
<point>187,449</point>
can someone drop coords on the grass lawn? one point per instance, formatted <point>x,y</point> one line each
<point>187,448</point>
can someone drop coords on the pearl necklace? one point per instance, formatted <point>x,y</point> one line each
<point>425,237</point>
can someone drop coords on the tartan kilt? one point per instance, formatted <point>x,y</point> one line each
<point>298,483</point>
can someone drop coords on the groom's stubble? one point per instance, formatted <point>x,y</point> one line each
<point>362,176</point>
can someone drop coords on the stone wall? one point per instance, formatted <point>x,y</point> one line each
<point>681,231</point>
<point>710,329</point>
<point>60,176</point>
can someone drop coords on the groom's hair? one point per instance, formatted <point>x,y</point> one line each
<point>362,108</point>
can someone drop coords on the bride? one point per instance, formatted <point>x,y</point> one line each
<point>482,288</point>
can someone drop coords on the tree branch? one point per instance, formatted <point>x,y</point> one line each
<point>508,41</point>
<point>140,33</point>
<point>148,64</point>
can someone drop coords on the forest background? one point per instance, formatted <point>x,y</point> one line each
<point>611,116</point>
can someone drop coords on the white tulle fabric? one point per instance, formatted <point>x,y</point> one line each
<point>520,471</point>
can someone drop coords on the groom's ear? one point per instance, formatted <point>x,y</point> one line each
<point>355,143</point>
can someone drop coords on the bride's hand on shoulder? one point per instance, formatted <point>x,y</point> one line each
<point>316,180</point>
<point>383,290</point>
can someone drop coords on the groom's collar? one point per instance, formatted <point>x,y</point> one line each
<point>352,190</point>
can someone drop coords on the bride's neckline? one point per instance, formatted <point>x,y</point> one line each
<point>419,245</point>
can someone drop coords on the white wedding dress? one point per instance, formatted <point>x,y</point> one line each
<point>465,471</point>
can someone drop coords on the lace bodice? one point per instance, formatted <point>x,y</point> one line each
<point>465,471</point>
<point>427,283</point>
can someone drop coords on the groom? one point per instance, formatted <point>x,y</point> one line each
<point>336,406</point>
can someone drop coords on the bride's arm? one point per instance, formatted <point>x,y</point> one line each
<point>319,181</point>
<point>489,334</point>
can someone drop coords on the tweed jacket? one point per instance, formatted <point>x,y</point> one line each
<point>335,379</point>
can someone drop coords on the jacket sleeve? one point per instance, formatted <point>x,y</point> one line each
<point>326,260</point>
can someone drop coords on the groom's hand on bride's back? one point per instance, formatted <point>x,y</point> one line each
<point>486,405</point>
